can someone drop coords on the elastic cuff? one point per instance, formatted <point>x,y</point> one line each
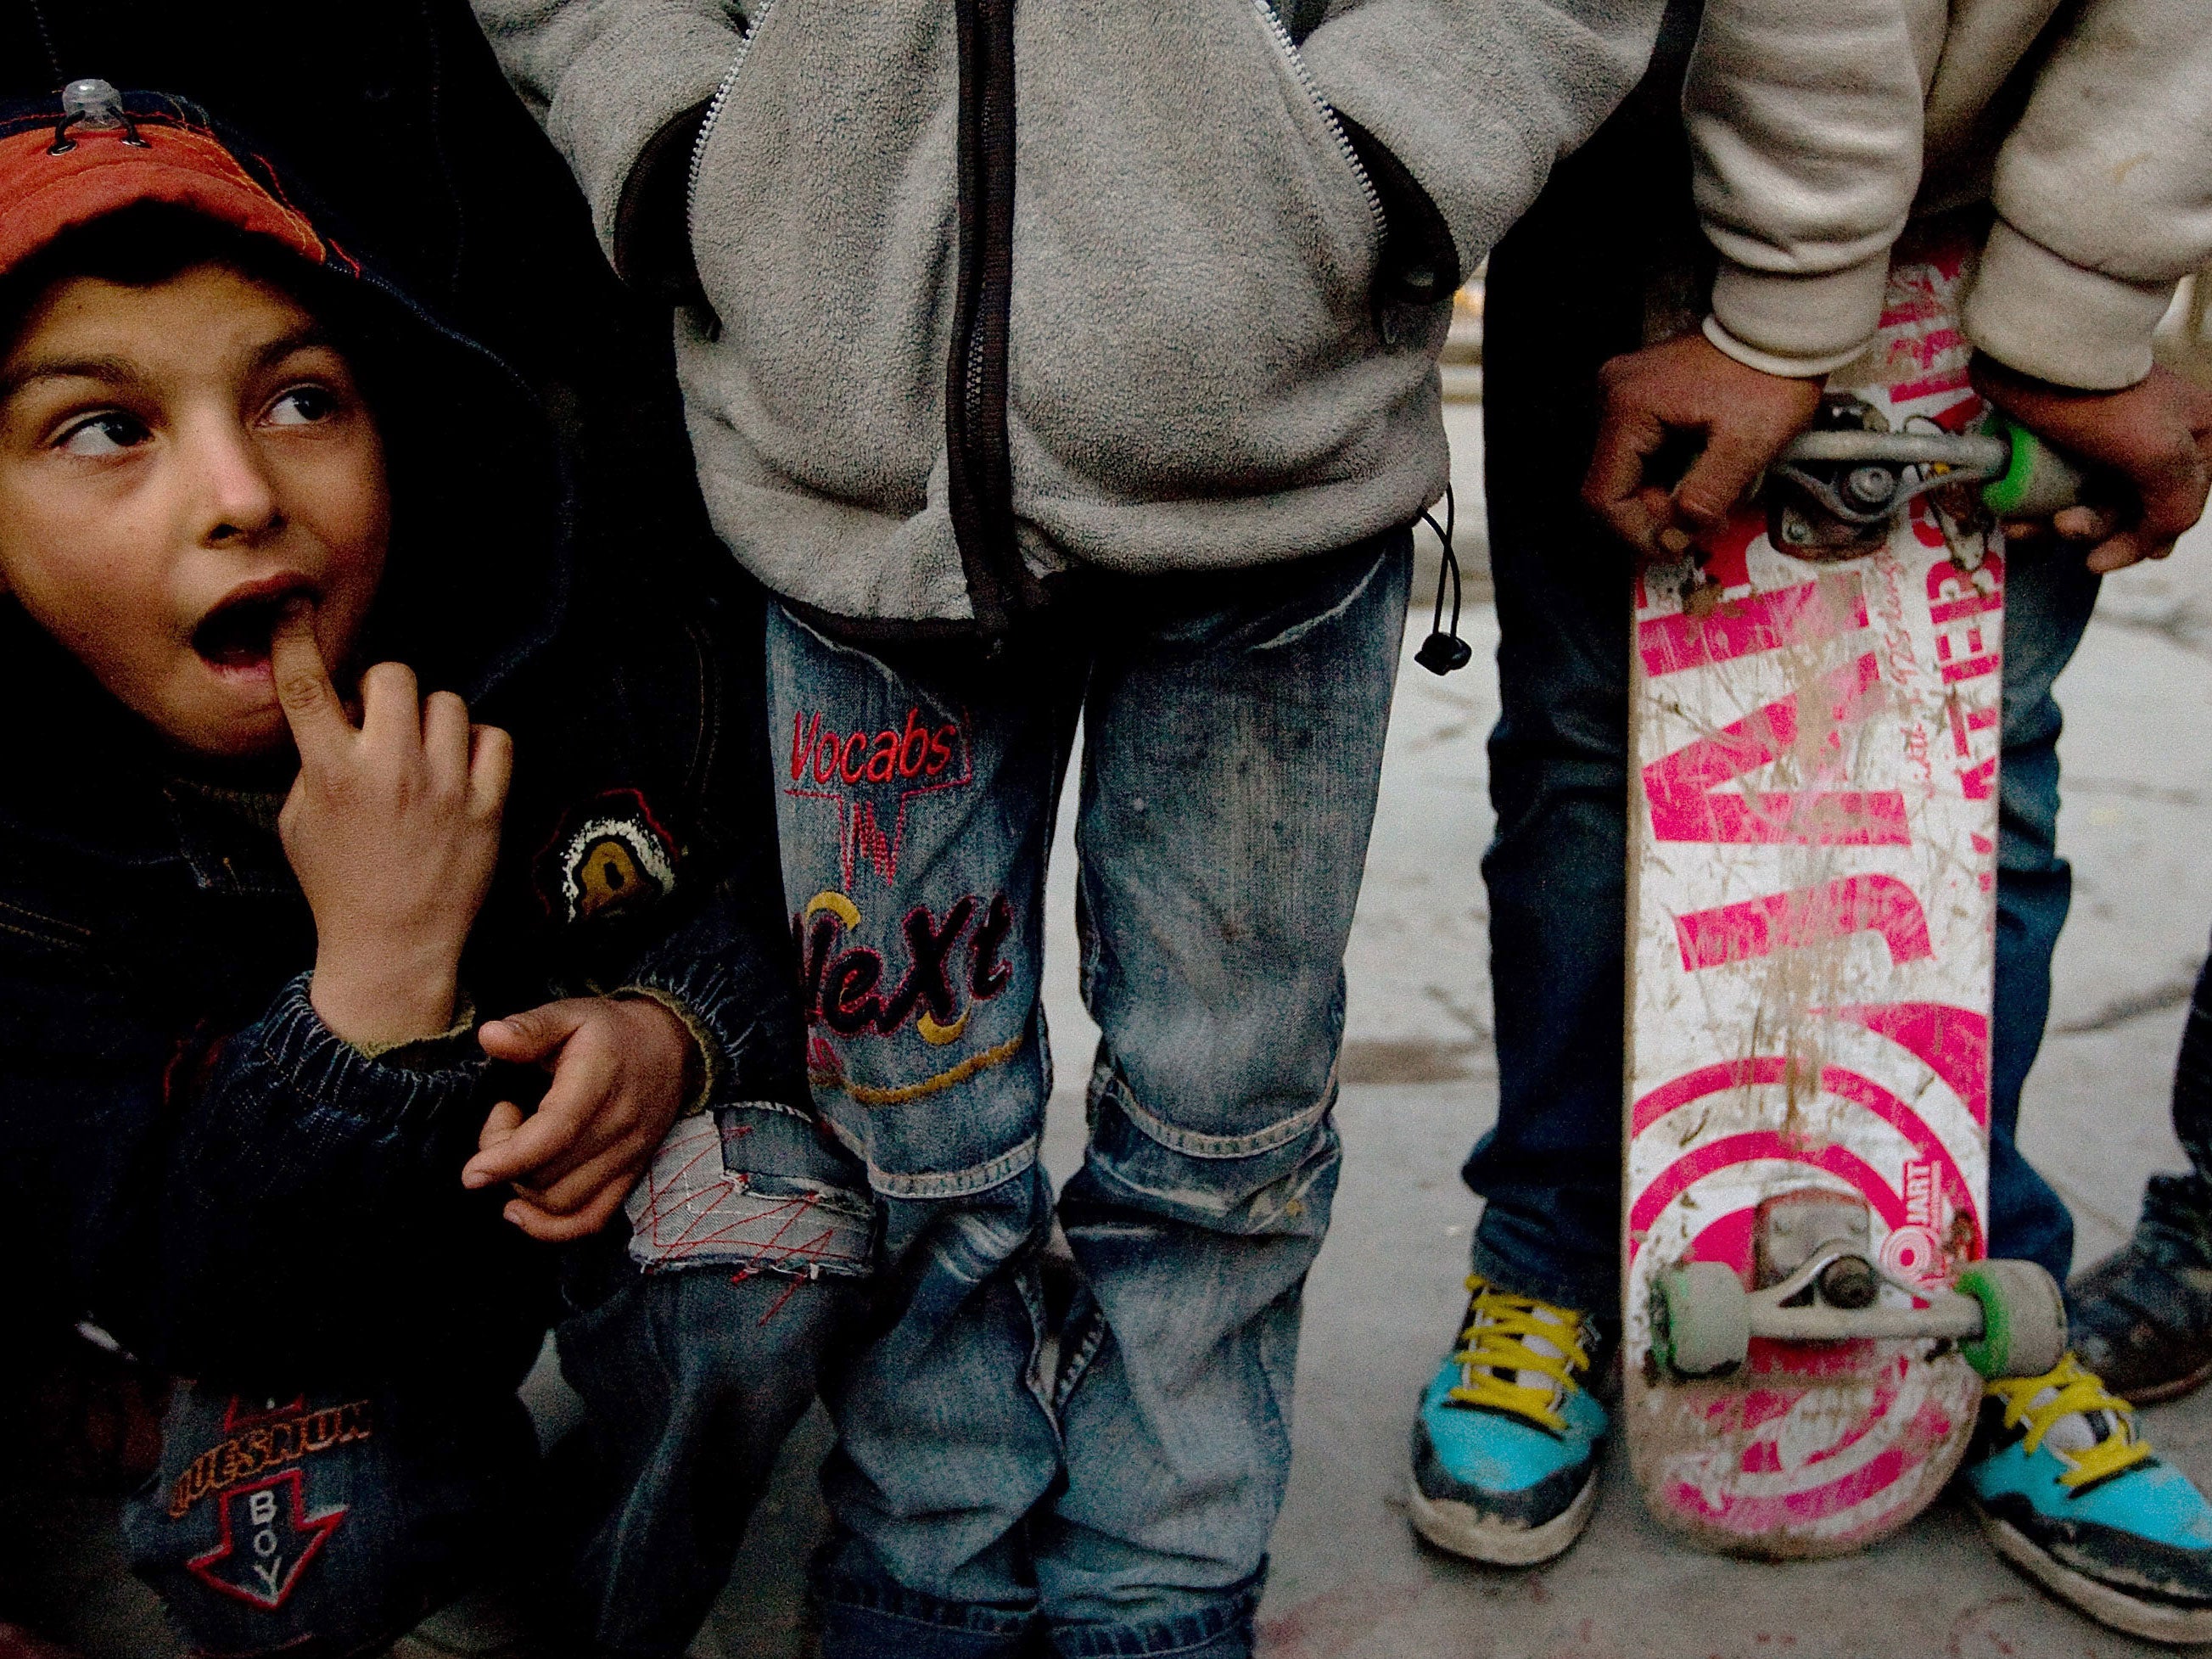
<point>1767,362</point>
<point>2045,316</point>
<point>659,60</point>
<point>1798,326</point>
<point>323,1068</point>
<point>445,1048</point>
<point>712,1064</point>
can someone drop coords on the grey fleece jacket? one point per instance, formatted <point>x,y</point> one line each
<point>1198,371</point>
<point>1820,126</point>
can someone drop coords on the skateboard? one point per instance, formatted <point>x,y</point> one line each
<point>1814,722</point>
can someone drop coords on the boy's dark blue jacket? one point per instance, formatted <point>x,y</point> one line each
<point>187,1155</point>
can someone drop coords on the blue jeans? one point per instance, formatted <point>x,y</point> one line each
<point>1560,301</point>
<point>693,1378</point>
<point>1101,1476</point>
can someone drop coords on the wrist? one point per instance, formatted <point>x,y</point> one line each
<point>385,999</point>
<point>674,1022</point>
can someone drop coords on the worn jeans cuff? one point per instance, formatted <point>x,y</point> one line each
<point>866,1619</point>
<point>1518,1273</point>
<point>1221,1630</point>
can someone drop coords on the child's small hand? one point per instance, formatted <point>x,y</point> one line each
<point>621,1071</point>
<point>393,830</point>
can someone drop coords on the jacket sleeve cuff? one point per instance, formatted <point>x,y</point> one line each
<point>410,1084</point>
<point>427,1054</point>
<point>660,59</point>
<point>1787,323</point>
<point>2045,316</point>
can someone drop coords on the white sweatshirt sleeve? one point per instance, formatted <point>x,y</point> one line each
<point>2104,195</point>
<point>1805,125</point>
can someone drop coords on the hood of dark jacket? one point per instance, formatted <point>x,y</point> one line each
<point>476,579</point>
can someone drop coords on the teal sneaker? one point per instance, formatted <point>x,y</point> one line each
<point>2069,1492</point>
<point>1505,1445</point>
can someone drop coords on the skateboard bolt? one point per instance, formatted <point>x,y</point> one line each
<point>1849,1282</point>
<point>1870,486</point>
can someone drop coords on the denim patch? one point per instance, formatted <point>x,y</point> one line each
<point>694,1210</point>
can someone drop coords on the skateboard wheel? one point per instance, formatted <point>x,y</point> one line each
<point>1708,1318</point>
<point>2023,1319</point>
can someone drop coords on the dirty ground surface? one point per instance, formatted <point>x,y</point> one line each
<point>1349,1580</point>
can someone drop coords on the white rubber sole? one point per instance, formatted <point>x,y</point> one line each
<point>1453,1526</point>
<point>2179,1626</point>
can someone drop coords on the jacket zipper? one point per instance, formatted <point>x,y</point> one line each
<point>1282,33</point>
<point>980,482</point>
<point>722,90</point>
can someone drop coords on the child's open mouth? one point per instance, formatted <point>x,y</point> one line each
<point>235,635</point>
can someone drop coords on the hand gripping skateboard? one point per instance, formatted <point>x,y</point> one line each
<point>1812,858</point>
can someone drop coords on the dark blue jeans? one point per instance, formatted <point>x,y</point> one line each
<point>693,1378</point>
<point>1101,1476</point>
<point>1565,291</point>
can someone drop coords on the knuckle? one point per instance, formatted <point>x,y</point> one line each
<point>1704,506</point>
<point>299,691</point>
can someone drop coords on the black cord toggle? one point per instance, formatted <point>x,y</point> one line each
<point>1443,652</point>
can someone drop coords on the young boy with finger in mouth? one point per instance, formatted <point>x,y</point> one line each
<point>372,914</point>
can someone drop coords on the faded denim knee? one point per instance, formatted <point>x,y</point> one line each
<point>1275,1177</point>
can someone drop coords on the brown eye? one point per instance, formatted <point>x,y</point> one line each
<point>303,406</point>
<point>109,433</point>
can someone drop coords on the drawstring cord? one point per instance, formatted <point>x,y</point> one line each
<point>47,39</point>
<point>1443,651</point>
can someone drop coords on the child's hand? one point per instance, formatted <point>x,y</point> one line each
<point>1744,417</point>
<point>621,1071</point>
<point>2157,435</point>
<point>393,830</point>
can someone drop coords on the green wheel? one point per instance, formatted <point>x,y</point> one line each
<point>2040,480</point>
<point>1708,1318</point>
<point>2023,1319</point>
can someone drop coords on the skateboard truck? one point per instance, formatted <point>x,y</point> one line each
<point>1821,1281</point>
<point>1835,489</point>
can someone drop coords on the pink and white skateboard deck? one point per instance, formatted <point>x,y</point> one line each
<point>1813,825</point>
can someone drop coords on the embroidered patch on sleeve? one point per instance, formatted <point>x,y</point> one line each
<point>260,1441</point>
<point>267,1539</point>
<point>610,856</point>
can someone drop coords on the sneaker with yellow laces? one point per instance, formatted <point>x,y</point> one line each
<point>2069,1492</point>
<point>1506,1442</point>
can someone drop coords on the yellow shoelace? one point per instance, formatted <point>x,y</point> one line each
<point>1498,1328</point>
<point>2072,1389</point>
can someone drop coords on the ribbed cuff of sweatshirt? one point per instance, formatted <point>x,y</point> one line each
<point>2045,316</point>
<point>1785,324</point>
<point>658,60</point>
